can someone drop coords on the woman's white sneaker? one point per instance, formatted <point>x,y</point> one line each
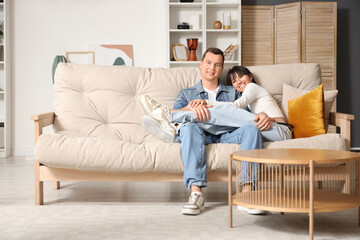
<point>156,110</point>
<point>159,129</point>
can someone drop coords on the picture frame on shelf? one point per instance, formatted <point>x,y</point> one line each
<point>179,52</point>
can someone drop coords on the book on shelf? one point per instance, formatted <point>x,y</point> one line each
<point>229,51</point>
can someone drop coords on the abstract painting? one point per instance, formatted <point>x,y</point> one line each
<point>112,54</point>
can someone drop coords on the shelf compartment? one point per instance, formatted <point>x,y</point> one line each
<point>177,15</point>
<point>180,37</point>
<point>222,41</point>
<point>216,13</point>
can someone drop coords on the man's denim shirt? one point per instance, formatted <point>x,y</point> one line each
<point>225,94</point>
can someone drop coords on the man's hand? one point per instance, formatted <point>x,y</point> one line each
<point>197,102</point>
<point>200,109</point>
<point>263,121</point>
<point>201,113</point>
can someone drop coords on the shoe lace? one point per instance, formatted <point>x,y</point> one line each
<point>192,199</point>
<point>162,107</point>
<point>155,104</point>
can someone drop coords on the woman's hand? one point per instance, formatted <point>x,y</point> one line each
<point>263,121</point>
<point>195,103</point>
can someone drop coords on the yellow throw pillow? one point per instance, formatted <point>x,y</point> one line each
<point>306,113</point>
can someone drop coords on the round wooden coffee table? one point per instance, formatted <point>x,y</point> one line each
<point>295,180</point>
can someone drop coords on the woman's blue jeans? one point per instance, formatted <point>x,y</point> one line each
<point>226,118</point>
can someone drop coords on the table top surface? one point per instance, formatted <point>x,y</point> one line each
<point>295,156</point>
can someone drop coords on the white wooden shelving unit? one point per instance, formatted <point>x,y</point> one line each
<point>5,84</point>
<point>209,11</point>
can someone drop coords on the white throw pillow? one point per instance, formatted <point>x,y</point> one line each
<point>290,93</point>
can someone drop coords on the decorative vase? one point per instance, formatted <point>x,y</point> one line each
<point>217,24</point>
<point>192,45</point>
<point>227,20</point>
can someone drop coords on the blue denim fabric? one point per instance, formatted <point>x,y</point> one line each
<point>226,118</point>
<point>225,94</point>
<point>193,139</point>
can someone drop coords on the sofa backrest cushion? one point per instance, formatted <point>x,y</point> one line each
<point>95,100</point>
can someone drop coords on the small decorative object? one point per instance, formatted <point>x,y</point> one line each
<point>184,1</point>
<point>192,45</point>
<point>179,52</point>
<point>229,53</point>
<point>227,20</point>
<point>217,24</point>
<point>183,25</point>
<point>57,60</point>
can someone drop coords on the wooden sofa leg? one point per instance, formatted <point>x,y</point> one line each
<point>56,185</point>
<point>39,193</point>
<point>39,186</point>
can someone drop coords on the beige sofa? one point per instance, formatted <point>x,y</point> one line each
<point>98,136</point>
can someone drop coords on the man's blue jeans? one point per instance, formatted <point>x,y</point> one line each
<point>193,140</point>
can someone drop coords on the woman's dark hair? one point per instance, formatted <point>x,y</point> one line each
<point>238,71</point>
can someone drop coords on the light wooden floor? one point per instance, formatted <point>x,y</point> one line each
<point>142,211</point>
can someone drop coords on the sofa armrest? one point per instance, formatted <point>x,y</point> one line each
<point>343,121</point>
<point>41,121</point>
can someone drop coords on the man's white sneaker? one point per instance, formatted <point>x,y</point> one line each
<point>156,110</point>
<point>251,211</point>
<point>195,204</point>
<point>159,129</point>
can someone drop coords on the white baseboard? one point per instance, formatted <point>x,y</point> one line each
<point>22,153</point>
<point>355,149</point>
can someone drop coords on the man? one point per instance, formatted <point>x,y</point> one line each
<point>193,139</point>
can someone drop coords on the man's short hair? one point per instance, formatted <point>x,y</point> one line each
<point>215,51</point>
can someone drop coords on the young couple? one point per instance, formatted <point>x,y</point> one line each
<point>212,112</point>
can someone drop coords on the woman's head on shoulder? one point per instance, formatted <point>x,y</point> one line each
<point>239,77</point>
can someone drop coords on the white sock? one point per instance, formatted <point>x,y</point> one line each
<point>199,193</point>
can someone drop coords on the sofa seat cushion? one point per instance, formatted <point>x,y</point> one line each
<point>113,155</point>
<point>106,154</point>
<point>331,141</point>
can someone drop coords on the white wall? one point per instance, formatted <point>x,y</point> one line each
<point>42,29</point>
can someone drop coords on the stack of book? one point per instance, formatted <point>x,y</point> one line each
<point>229,52</point>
